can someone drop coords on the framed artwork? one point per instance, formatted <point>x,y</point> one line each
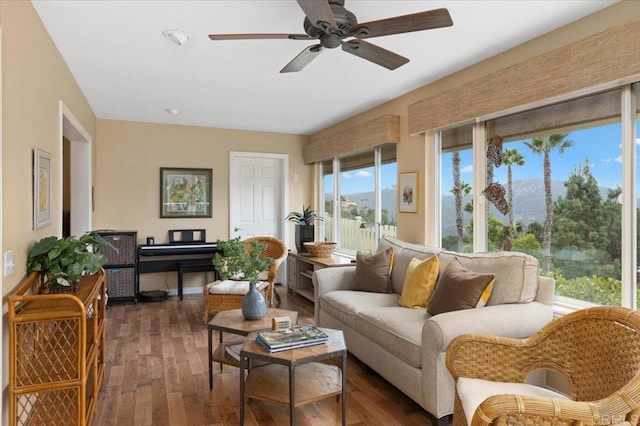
<point>41,188</point>
<point>185,192</point>
<point>408,192</point>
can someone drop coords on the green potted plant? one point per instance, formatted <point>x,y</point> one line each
<point>304,226</point>
<point>245,260</point>
<point>61,261</point>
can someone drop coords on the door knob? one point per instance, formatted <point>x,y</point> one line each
<point>236,229</point>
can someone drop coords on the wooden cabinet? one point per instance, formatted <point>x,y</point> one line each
<point>300,269</point>
<point>56,353</point>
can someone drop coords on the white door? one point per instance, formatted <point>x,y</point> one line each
<point>258,191</point>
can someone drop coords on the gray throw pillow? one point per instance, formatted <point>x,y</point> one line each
<point>373,271</point>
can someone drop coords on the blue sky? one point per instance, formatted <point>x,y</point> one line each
<point>601,145</point>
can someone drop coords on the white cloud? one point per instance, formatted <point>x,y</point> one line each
<point>363,174</point>
<point>467,169</point>
<point>638,141</point>
<point>619,159</point>
<point>606,160</point>
<point>346,175</point>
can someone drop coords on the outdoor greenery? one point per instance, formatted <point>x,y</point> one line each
<point>579,242</point>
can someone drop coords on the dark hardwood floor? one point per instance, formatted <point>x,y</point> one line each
<point>157,374</point>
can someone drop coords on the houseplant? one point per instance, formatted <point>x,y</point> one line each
<point>304,226</point>
<point>244,260</point>
<point>61,261</point>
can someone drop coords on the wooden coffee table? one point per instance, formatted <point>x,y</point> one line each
<point>234,323</point>
<point>310,377</point>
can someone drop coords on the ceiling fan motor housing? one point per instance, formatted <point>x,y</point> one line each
<point>332,37</point>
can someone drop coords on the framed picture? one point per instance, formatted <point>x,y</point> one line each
<point>41,188</point>
<point>408,192</point>
<point>185,192</point>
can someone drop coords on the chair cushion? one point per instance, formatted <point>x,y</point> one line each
<point>233,287</point>
<point>473,392</point>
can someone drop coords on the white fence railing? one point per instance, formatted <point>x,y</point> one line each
<point>353,237</point>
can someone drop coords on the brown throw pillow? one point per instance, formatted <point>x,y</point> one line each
<point>373,271</point>
<point>458,288</point>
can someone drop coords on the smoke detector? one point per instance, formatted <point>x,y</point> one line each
<point>176,36</point>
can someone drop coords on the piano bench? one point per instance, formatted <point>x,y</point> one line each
<point>193,265</point>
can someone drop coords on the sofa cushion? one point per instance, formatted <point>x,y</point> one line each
<point>396,329</point>
<point>373,271</point>
<point>345,305</point>
<point>419,283</point>
<point>403,252</point>
<point>516,273</point>
<point>458,288</point>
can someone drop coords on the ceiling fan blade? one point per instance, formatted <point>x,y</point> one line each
<point>319,13</point>
<point>375,54</point>
<point>258,36</point>
<point>431,19</point>
<point>303,59</point>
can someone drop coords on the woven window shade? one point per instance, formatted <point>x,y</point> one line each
<point>376,132</point>
<point>602,58</point>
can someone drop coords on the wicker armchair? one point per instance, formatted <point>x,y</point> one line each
<point>597,350</point>
<point>214,303</point>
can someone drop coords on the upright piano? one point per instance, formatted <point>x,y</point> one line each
<point>181,254</point>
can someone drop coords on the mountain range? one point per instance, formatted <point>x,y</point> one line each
<point>528,201</point>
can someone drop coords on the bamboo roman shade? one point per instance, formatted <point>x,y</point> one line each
<point>376,132</point>
<point>605,57</point>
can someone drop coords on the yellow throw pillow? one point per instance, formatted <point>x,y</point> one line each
<point>486,294</point>
<point>419,282</point>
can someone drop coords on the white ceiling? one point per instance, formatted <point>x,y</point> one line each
<point>129,71</point>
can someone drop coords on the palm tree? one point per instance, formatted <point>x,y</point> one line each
<point>543,145</point>
<point>511,157</point>
<point>459,190</point>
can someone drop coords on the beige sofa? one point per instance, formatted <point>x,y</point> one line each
<point>407,346</point>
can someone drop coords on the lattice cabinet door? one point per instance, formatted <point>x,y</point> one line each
<point>56,353</point>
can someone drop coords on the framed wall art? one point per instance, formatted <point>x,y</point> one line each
<point>41,188</point>
<point>408,192</point>
<point>185,192</point>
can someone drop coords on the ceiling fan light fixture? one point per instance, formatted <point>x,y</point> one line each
<point>176,36</point>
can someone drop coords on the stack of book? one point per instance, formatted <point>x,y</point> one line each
<point>298,336</point>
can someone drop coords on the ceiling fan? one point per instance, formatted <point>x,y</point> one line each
<point>330,23</point>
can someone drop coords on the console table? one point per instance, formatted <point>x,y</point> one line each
<point>300,268</point>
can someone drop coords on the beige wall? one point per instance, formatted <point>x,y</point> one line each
<point>34,80</point>
<point>128,160</point>
<point>411,150</point>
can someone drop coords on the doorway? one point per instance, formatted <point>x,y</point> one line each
<point>75,163</point>
<point>258,196</point>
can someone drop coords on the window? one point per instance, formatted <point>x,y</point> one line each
<point>554,192</point>
<point>359,198</point>
<point>457,189</point>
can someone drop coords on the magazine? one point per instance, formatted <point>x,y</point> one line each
<point>288,347</point>
<point>234,350</point>
<point>294,336</point>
